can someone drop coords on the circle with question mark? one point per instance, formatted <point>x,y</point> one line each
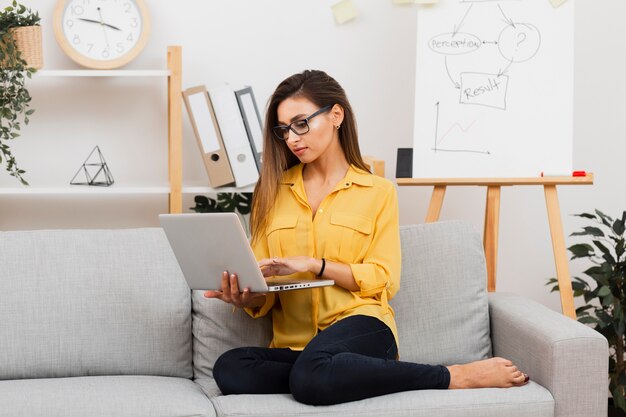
<point>519,42</point>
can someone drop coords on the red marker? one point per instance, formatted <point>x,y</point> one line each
<point>574,174</point>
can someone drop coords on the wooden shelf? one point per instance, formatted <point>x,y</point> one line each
<point>103,73</point>
<point>173,189</point>
<point>116,189</point>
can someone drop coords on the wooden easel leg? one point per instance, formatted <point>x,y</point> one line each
<point>436,201</point>
<point>560,254</point>
<point>175,128</point>
<point>490,236</point>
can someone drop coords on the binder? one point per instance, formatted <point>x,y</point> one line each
<point>234,135</point>
<point>208,135</point>
<point>252,122</point>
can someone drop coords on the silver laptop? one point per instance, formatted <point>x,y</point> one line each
<point>207,244</point>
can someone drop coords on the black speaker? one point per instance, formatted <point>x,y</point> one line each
<point>404,163</point>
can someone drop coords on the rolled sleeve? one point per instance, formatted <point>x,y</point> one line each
<point>380,269</point>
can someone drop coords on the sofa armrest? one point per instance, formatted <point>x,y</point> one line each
<point>561,354</point>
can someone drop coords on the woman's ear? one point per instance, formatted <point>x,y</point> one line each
<point>337,115</point>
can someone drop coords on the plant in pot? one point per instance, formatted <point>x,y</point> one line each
<point>605,299</point>
<point>20,56</point>
<point>240,203</point>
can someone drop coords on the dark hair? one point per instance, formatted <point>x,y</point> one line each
<point>322,90</point>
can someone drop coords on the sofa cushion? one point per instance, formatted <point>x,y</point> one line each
<point>441,309</point>
<point>92,302</point>
<point>103,396</point>
<point>217,327</point>
<point>529,400</point>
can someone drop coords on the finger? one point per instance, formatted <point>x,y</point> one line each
<point>225,287</point>
<point>212,294</point>
<point>268,271</point>
<point>265,262</point>
<point>234,289</point>
<point>245,296</point>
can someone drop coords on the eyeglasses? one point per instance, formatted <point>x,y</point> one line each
<point>299,127</point>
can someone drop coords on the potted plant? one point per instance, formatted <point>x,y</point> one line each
<point>20,56</point>
<point>240,203</point>
<point>605,298</point>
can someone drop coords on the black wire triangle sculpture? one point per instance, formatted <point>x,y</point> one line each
<point>93,170</point>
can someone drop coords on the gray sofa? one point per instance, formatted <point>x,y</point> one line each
<point>102,323</point>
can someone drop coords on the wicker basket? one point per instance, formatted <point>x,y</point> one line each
<point>28,41</point>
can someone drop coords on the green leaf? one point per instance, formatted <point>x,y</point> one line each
<point>588,320</point>
<point>607,220</point>
<point>581,250</point>
<point>607,253</point>
<point>608,300</point>
<point>586,215</point>
<point>618,399</point>
<point>590,230</point>
<point>618,227</point>
<point>604,291</point>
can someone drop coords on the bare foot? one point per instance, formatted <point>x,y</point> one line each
<point>488,373</point>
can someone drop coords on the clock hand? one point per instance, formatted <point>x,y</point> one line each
<point>106,38</point>
<point>95,21</point>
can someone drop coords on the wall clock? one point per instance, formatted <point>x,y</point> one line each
<point>101,34</point>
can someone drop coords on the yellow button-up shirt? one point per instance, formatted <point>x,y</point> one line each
<point>357,225</point>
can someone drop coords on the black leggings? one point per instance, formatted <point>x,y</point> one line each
<point>351,360</point>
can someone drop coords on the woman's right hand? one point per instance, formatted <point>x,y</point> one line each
<point>231,294</point>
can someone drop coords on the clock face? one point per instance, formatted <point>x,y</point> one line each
<point>101,33</point>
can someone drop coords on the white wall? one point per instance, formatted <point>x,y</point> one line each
<point>260,42</point>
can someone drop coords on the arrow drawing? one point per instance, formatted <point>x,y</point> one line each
<point>503,71</point>
<point>436,125</point>
<point>506,19</point>
<point>457,27</point>
<point>456,85</point>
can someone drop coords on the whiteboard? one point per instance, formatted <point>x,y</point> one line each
<point>493,89</point>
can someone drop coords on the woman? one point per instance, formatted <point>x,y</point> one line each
<point>318,213</point>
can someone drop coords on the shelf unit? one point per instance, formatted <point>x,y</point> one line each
<point>174,188</point>
<point>113,190</point>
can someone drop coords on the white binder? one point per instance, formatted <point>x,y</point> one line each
<point>210,142</point>
<point>240,155</point>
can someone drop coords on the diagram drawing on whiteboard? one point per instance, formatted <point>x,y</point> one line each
<point>490,84</point>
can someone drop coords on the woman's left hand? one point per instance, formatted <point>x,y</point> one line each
<point>285,266</point>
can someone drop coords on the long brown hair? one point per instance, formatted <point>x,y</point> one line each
<point>322,90</point>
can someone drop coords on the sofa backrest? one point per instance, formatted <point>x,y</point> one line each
<point>92,302</point>
<point>441,309</point>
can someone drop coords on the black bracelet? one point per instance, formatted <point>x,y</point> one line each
<point>323,267</point>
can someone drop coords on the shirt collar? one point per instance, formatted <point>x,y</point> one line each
<point>354,176</point>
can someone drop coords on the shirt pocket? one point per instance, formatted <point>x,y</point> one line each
<point>353,234</point>
<point>281,235</point>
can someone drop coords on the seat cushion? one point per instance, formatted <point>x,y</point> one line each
<point>92,302</point>
<point>529,400</point>
<point>103,396</point>
<point>441,309</point>
<point>218,328</point>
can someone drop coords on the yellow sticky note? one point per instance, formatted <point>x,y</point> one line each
<point>344,11</point>
<point>557,3</point>
<point>425,1</point>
